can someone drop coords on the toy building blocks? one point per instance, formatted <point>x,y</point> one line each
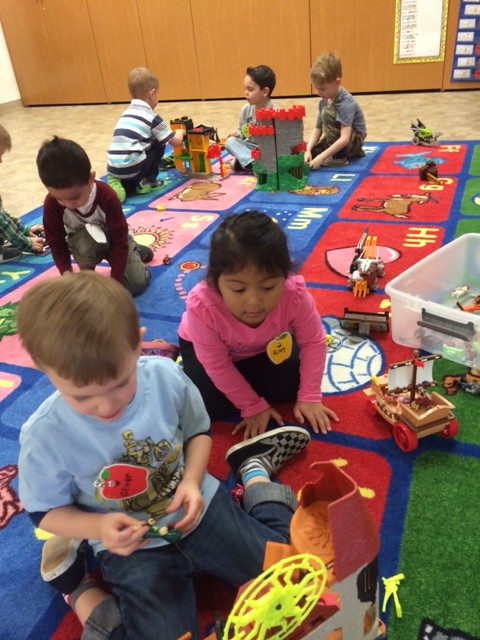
<point>181,157</point>
<point>366,266</point>
<point>278,160</point>
<point>193,157</point>
<point>364,322</point>
<point>469,386</point>
<point>167,533</point>
<point>324,585</point>
<point>215,151</point>
<point>461,291</point>
<point>423,136</point>
<point>401,399</point>
<point>429,172</point>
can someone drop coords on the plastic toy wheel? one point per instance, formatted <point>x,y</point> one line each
<point>450,430</point>
<point>278,600</point>
<point>415,140</point>
<point>404,437</point>
<point>372,406</point>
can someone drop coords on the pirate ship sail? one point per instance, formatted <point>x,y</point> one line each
<point>412,375</point>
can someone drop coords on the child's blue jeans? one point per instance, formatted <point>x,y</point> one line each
<point>155,587</point>
<point>240,149</point>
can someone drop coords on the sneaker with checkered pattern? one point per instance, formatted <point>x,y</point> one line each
<point>273,448</point>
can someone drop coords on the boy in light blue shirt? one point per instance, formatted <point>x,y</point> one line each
<point>120,451</point>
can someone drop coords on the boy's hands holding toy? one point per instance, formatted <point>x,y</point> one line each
<point>37,238</point>
<point>189,497</point>
<point>257,424</point>
<point>316,415</point>
<point>38,244</point>
<point>36,230</point>
<point>121,534</point>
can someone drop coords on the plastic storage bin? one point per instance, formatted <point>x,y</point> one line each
<point>424,308</point>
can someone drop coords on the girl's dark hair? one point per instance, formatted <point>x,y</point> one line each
<point>246,238</point>
<point>264,76</point>
<point>63,163</point>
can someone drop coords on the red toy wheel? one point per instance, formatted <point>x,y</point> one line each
<point>372,406</point>
<point>450,430</point>
<point>404,437</point>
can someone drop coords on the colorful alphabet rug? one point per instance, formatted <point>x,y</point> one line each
<point>423,495</point>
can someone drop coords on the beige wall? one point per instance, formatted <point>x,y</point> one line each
<point>8,86</point>
<point>368,64</point>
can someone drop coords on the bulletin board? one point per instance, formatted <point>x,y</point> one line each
<point>466,51</point>
<point>420,31</point>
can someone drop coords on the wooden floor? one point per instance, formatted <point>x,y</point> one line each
<point>388,117</point>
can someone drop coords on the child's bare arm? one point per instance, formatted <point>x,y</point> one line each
<point>188,495</point>
<point>197,452</point>
<point>312,141</point>
<point>177,139</point>
<point>119,532</point>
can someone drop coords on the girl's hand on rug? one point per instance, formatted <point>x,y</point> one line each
<point>189,497</point>
<point>316,415</point>
<point>122,534</point>
<point>255,425</point>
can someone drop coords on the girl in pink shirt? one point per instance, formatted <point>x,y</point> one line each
<point>251,334</point>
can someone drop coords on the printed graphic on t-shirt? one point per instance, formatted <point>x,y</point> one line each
<point>145,478</point>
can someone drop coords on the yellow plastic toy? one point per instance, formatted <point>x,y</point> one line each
<point>391,588</point>
<point>277,602</point>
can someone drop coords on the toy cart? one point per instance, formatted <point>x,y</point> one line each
<point>402,400</point>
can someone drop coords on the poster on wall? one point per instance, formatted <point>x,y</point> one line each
<point>466,53</point>
<point>420,30</point>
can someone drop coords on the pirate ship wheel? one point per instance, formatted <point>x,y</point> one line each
<point>278,601</point>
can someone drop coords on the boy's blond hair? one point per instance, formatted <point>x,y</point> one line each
<point>5,139</point>
<point>140,82</point>
<point>81,325</point>
<point>326,68</point>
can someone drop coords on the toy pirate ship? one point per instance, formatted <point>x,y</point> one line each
<point>401,398</point>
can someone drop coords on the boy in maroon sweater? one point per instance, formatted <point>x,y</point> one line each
<point>83,217</point>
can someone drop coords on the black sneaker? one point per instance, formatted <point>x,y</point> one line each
<point>7,254</point>
<point>273,448</point>
<point>155,184</point>
<point>145,186</point>
<point>63,564</point>
<point>146,253</point>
